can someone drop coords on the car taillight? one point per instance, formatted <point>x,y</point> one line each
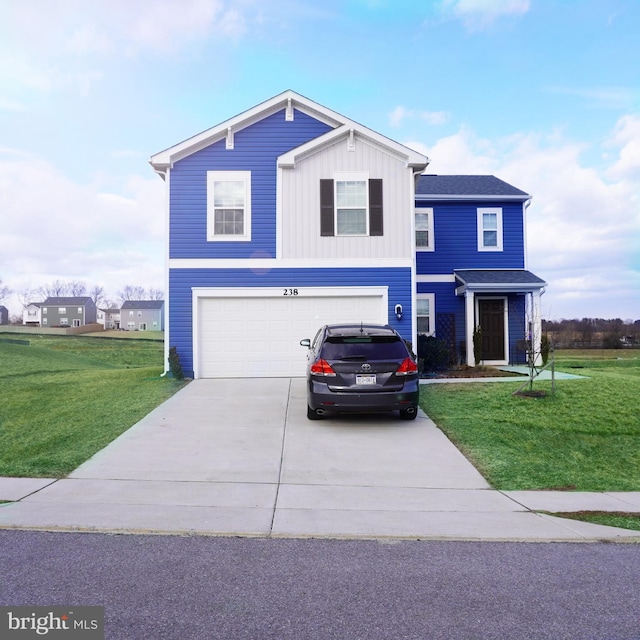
<point>322,368</point>
<point>408,366</point>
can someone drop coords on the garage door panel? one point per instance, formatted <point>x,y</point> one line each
<point>260,336</point>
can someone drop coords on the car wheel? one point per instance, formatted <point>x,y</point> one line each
<point>312,415</point>
<point>409,414</point>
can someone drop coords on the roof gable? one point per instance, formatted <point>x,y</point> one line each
<point>289,101</point>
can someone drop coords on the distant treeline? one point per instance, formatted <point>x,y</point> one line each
<point>592,333</point>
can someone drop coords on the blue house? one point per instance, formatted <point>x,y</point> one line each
<point>471,267</point>
<point>290,216</point>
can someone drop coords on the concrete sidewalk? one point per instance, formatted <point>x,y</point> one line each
<point>239,457</point>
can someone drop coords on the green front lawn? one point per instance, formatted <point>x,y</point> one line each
<point>585,437</point>
<point>62,399</point>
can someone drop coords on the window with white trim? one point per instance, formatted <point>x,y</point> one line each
<point>351,204</point>
<point>490,229</point>
<point>425,313</point>
<point>351,207</point>
<point>228,206</point>
<point>424,229</point>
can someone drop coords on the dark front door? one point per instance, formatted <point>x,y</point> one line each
<point>492,324</point>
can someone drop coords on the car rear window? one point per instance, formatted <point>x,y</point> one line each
<point>364,347</point>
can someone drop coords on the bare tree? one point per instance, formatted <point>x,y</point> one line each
<point>155,294</point>
<point>55,289</point>
<point>5,291</point>
<point>25,297</point>
<point>76,289</point>
<point>131,293</point>
<point>97,295</point>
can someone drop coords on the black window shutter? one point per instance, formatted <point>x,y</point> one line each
<point>375,207</point>
<point>326,208</point>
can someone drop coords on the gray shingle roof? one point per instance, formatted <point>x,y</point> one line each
<point>68,300</point>
<point>499,279</point>
<point>143,304</point>
<point>467,186</point>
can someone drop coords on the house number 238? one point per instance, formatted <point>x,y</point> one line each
<point>290,292</point>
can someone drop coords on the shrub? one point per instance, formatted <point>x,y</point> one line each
<point>545,347</point>
<point>477,345</point>
<point>174,364</point>
<point>433,354</point>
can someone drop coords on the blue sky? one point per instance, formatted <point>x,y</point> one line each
<point>545,94</point>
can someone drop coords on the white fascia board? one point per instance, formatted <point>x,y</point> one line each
<point>166,158</point>
<point>412,158</point>
<point>436,278</point>
<point>440,197</point>
<point>272,263</point>
<point>500,288</point>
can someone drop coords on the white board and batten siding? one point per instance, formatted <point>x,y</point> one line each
<point>256,332</point>
<point>299,215</point>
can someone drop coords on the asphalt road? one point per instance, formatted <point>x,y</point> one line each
<point>192,588</point>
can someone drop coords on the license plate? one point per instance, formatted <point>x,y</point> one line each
<point>360,379</point>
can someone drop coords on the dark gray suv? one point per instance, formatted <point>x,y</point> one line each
<point>359,368</point>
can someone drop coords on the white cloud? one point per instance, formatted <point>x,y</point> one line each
<point>400,114</point>
<point>627,137</point>
<point>47,46</point>
<point>56,229</point>
<point>583,224</point>
<point>479,14</point>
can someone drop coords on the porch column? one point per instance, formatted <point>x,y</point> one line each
<point>536,326</point>
<point>469,312</point>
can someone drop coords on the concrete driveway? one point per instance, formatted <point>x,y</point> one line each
<point>240,457</point>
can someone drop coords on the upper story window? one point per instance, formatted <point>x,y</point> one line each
<point>351,205</point>
<point>351,208</point>
<point>424,230</point>
<point>490,229</point>
<point>228,205</point>
<point>62,309</point>
<point>79,309</point>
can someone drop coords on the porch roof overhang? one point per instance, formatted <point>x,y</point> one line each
<point>497,281</point>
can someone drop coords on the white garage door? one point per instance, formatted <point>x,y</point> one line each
<point>256,333</point>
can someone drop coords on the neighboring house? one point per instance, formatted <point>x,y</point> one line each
<point>142,315</point>
<point>4,315</point>
<point>290,216</point>
<point>471,266</point>
<point>108,318</point>
<point>32,314</point>
<point>68,312</point>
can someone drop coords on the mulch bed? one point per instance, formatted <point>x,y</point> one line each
<point>465,371</point>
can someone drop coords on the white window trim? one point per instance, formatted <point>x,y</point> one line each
<point>498,212</point>
<point>244,176</point>
<point>350,177</point>
<point>431,297</point>
<point>431,246</point>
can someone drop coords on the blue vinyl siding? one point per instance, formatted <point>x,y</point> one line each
<point>456,239</point>
<point>256,149</point>
<point>398,280</point>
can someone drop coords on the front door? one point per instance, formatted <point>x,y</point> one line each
<point>491,314</point>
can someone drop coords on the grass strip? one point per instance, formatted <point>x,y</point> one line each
<point>584,437</point>
<point>65,398</point>
<point>620,519</point>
